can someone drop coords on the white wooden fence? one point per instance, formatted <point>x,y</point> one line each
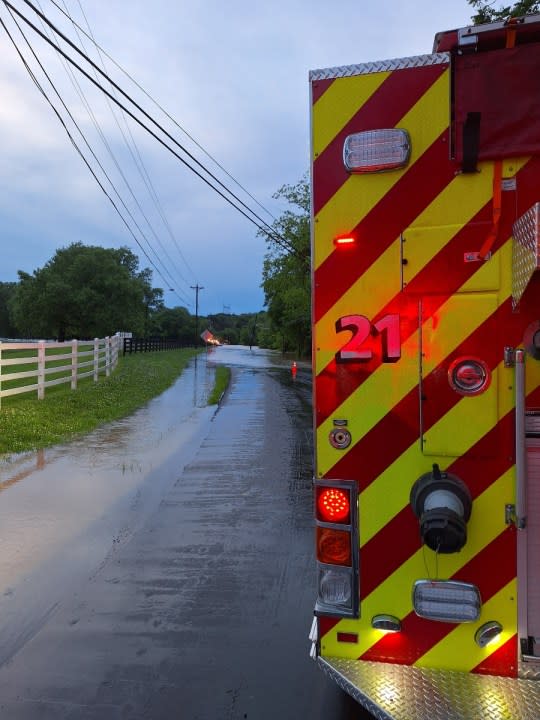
<point>83,359</point>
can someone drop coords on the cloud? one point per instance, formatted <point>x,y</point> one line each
<point>235,76</point>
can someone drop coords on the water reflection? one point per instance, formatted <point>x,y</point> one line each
<point>243,356</point>
<point>49,496</point>
<point>28,463</point>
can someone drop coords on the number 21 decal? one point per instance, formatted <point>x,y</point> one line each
<point>356,349</point>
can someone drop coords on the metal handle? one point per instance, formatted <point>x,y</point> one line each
<point>521,457</point>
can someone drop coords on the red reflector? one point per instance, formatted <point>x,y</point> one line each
<point>341,241</point>
<point>469,376</point>
<point>333,505</point>
<point>333,547</point>
<point>347,637</point>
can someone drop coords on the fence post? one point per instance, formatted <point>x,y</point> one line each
<point>96,359</point>
<point>107,356</point>
<point>0,373</point>
<point>74,364</point>
<point>41,369</point>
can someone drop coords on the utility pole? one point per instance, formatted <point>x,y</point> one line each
<point>196,288</point>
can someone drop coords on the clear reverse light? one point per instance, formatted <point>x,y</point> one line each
<point>335,588</point>
<point>376,150</point>
<point>446,600</point>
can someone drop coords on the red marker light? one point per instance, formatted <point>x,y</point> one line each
<point>333,505</point>
<point>344,241</point>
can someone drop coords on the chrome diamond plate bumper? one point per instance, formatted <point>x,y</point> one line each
<point>397,692</point>
<point>526,251</point>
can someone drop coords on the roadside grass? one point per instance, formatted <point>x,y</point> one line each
<point>221,383</point>
<point>27,423</point>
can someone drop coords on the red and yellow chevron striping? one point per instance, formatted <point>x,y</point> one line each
<point>410,272</point>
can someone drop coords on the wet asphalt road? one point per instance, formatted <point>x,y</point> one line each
<point>164,567</point>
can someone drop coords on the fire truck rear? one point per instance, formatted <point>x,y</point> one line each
<point>426,319</point>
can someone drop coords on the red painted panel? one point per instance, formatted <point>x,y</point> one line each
<point>504,87</point>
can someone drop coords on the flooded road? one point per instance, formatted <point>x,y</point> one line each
<point>163,566</point>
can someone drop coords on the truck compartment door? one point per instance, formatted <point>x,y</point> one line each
<point>457,342</point>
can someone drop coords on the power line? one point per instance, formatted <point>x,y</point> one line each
<point>70,136</point>
<point>80,92</point>
<point>208,155</point>
<point>137,160</point>
<point>78,89</point>
<point>264,227</point>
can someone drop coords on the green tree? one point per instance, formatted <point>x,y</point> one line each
<point>172,324</point>
<point>7,328</point>
<point>286,273</point>
<point>83,292</point>
<point>486,12</point>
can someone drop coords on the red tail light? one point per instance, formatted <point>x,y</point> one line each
<point>333,505</point>
<point>334,547</point>
<point>337,548</point>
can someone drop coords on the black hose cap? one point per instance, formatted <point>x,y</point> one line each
<point>443,530</point>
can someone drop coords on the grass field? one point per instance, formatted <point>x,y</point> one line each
<point>27,423</point>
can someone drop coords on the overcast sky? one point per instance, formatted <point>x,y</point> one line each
<point>234,75</point>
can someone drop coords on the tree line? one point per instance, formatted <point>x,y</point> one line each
<point>87,291</point>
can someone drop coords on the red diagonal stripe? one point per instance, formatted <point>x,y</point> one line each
<point>490,570</point>
<point>319,87</point>
<point>447,270</point>
<point>402,423</point>
<point>407,525</point>
<point>326,624</point>
<point>378,563</point>
<point>392,100</point>
<point>383,224</point>
<point>501,662</point>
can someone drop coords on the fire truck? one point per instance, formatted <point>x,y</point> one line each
<point>426,332</point>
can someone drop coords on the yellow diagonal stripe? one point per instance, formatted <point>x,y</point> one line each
<point>459,202</point>
<point>459,651</point>
<point>394,595</point>
<point>366,297</point>
<point>339,104</point>
<point>391,382</point>
<point>388,494</point>
<point>425,121</point>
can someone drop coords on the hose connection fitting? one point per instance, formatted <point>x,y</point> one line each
<point>442,503</point>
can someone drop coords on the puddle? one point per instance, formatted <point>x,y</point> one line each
<point>49,496</point>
